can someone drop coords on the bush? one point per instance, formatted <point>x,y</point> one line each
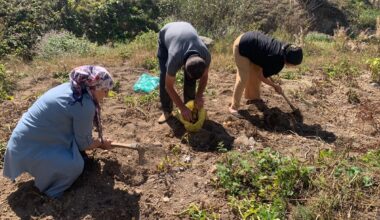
<point>361,14</point>
<point>112,20</point>
<point>54,44</point>
<point>23,23</point>
<point>218,18</point>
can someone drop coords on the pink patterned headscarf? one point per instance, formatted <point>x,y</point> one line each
<point>85,78</point>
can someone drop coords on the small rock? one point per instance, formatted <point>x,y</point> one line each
<point>207,41</point>
<point>186,158</point>
<point>138,191</point>
<point>157,144</point>
<point>213,169</point>
<point>376,85</point>
<point>166,199</point>
<point>251,141</point>
<point>241,140</point>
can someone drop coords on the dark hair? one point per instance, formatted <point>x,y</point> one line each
<point>195,66</point>
<point>293,54</point>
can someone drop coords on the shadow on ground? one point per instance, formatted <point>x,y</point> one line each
<point>275,120</point>
<point>93,196</point>
<point>212,136</point>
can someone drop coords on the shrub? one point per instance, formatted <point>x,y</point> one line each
<point>218,18</point>
<point>54,44</point>
<point>23,23</point>
<point>112,20</point>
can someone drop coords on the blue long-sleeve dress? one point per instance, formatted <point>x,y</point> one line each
<point>48,139</point>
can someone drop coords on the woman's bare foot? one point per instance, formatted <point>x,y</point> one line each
<point>232,110</point>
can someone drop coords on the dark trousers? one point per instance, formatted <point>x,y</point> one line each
<point>189,84</point>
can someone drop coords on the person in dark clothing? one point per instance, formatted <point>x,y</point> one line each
<point>258,57</point>
<point>180,46</point>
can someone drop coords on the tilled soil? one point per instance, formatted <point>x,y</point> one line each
<point>177,167</point>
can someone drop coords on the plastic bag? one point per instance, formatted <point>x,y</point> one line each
<point>193,127</point>
<point>146,83</point>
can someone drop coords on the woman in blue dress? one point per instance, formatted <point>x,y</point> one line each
<point>49,138</point>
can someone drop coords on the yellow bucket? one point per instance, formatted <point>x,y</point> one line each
<point>193,127</point>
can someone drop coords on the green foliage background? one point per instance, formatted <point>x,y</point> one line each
<point>24,22</point>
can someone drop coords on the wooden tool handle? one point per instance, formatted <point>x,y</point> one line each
<point>132,146</point>
<point>287,100</point>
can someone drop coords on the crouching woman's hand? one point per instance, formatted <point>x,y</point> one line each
<point>107,144</point>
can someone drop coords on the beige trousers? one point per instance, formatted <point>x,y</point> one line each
<point>247,77</point>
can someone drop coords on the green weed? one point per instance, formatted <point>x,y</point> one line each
<point>2,152</point>
<point>151,63</point>
<point>260,182</point>
<point>353,97</point>
<point>197,213</point>
<point>342,69</point>
<point>141,100</point>
<point>262,185</point>
<point>168,163</point>
<point>316,36</point>
<point>165,165</point>
<point>6,85</point>
<point>221,148</point>
<point>371,158</point>
<point>116,87</point>
<point>62,76</point>
<point>374,67</point>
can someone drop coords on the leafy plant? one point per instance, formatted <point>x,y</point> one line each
<point>197,213</point>
<point>262,185</point>
<point>6,85</point>
<point>353,97</point>
<point>342,69</point>
<point>62,76</point>
<point>151,63</point>
<point>141,100</point>
<point>116,87</point>
<point>263,180</point>
<point>374,67</point>
<point>371,158</point>
<point>2,152</point>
